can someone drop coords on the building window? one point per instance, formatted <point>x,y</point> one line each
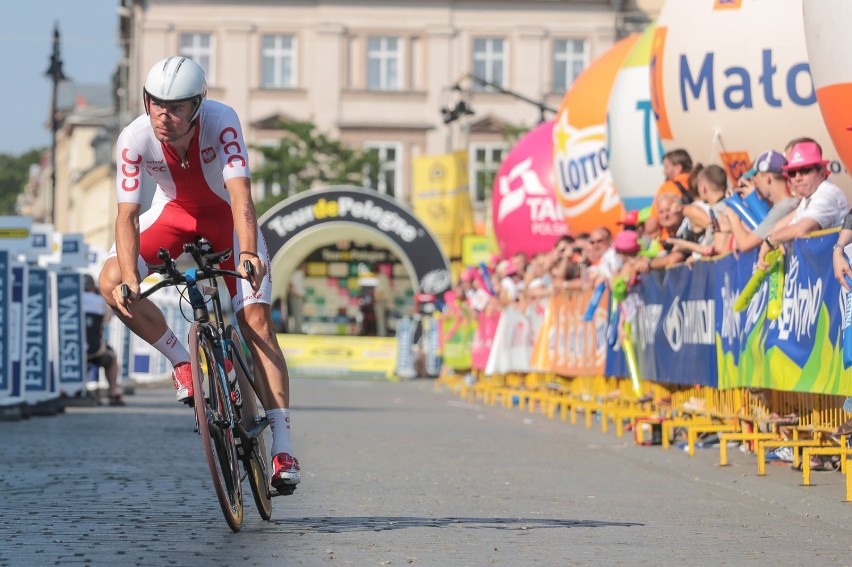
<point>485,160</point>
<point>390,168</point>
<point>278,56</point>
<point>384,63</point>
<point>569,60</point>
<point>488,61</point>
<point>199,48</point>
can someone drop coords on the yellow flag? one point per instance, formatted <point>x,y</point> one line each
<point>441,198</point>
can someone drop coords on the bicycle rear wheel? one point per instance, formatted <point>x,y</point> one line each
<point>213,421</point>
<point>254,457</point>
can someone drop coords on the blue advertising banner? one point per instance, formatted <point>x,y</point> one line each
<point>71,332</point>
<point>802,348</point>
<point>36,369</point>
<point>16,333</point>
<point>5,320</point>
<point>616,363</point>
<point>686,338</point>
<point>648,317</point>
<point>729,323</point>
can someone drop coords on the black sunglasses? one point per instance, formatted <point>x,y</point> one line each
<point>791,173</point>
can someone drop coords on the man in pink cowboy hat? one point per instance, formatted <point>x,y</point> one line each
<point>823,204</point>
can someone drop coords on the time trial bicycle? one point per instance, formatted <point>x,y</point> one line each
<point>230,418</point>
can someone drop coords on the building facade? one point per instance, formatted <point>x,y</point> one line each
<point>406,78</point>
<point>377,74</point>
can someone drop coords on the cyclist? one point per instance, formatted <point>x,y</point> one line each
<point>194,150</point>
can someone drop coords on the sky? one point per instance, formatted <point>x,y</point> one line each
<point>89,52</point>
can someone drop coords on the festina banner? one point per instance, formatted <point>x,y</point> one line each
<point>37,378</point>
<point>70,332</point>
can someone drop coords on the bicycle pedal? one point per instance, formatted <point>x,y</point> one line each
<point>285,490</point>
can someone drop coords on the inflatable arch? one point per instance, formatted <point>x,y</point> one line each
<point>308,220</point>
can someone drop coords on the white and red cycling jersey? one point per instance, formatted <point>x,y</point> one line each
<point>191,199</point>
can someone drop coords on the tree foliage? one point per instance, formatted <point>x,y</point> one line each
<point>306,158</point>
<point>14,173</point>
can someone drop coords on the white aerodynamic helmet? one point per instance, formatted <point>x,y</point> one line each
<point>176,79</point>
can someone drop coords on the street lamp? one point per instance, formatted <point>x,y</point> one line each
<point>56,75</point>
<point>462,107</point>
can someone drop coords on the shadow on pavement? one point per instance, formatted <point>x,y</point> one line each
<point>328,524</point>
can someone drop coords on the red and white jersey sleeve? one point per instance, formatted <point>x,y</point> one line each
<point>216,154</point>
<point>128,160</point>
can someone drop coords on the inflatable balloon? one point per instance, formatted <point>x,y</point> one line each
<point>829,44</point>
<point>583,182</point>
<point>731,79</point>
<point>525,213</point>
<point>633,143</point>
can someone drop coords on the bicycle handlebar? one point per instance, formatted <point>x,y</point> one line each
<point>207,263</point>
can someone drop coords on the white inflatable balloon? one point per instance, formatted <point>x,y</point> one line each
<point>730,79</point>
<point>635,151</point>
<point>829,46</point>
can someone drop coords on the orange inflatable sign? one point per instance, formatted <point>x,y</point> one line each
<point>584,184</point>
<point>829,44</point>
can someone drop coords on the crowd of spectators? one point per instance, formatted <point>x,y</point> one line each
<point>696,213</point>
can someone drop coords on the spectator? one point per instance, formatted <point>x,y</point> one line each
<point>605,260</point>
<point>538,278</point>
<point>672,221</point>
<point>630,220</point>
<point>677,166</point>
<point>768,179</point>
<point>839,258</point>
<point>580,252</point>
<point>519,259</point>
<point>511,282</point>
<point>703,214</point>
<point>98,353</point>
<point>823,203</point>
<point>600,240</point>
<point>626,245</point>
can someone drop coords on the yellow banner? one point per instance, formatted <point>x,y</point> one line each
<point>475,249</point>
<point>339,356</point>
<point>441,198</point>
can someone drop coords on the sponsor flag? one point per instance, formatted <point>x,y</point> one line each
<point>441,198</point>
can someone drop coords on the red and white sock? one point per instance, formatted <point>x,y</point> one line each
<point>279,423</point>
<point>172,348</point>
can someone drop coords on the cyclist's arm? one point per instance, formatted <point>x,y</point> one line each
<point>245,225</point>
<point>127,250</point>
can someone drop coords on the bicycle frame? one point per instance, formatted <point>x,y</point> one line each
<point>196,290</point>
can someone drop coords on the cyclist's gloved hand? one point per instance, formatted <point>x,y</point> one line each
<point>125,294</point>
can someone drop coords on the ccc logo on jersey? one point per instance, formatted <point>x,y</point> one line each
<point>130,170</point>
<point>231,146</point>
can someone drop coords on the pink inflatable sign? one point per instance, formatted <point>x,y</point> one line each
<point>526,213</point>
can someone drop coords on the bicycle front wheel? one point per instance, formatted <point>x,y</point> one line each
<point>214,425</point>
<point>254,457</point>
